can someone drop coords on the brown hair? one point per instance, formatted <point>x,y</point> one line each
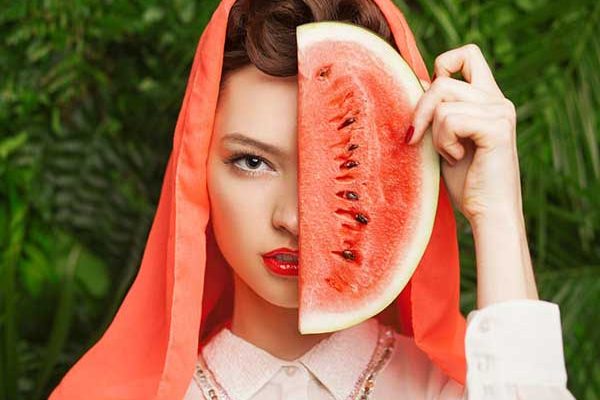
<point>263,32</point>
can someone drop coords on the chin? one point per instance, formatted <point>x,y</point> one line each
<point>281,295</point>
<point>280,292</point>
<point>285,304</point>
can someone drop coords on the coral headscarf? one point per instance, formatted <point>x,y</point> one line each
<point>183,291</point>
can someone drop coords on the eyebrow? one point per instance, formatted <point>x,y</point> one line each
<point>237,137</point>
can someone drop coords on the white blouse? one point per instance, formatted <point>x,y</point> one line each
<point>513,350</point>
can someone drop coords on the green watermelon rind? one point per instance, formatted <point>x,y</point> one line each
<point>314,32</point>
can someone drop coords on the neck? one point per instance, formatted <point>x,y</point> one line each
<point>277,332</point>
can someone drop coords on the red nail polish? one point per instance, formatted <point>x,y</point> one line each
<point>409,134</point>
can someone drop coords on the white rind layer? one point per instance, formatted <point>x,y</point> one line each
<point>311,34</point>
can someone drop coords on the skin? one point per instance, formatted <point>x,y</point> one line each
<point>474,129</point>
<point>254,203</point>
<point>254,214</point>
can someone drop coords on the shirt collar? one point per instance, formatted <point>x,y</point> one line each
<point>338,361</point>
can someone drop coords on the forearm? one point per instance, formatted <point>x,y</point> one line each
<point>504,268</point>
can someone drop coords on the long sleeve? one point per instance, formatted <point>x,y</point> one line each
<point>514,351</point>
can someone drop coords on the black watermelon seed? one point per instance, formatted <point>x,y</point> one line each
<point>350,164</point>
<point>347,122</point>
<point>351,195</point>
<point>361,218</point>
<point>353,147</point>
<point>348,254</point>
<point>324,72</point>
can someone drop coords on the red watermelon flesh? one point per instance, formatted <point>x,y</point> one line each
<point>367,201</point>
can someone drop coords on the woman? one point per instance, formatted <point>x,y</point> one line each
<point>209,302</point>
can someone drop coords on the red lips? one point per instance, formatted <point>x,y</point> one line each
<point>281,250</point>
<point>282,261</point>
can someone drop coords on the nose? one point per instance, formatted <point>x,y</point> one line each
<point>285,215</point>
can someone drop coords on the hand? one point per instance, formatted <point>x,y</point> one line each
<point>474,129</point>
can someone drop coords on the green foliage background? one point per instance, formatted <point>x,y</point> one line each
<point>89,96</point>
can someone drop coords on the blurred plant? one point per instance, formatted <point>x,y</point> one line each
<point>89,98</point>
<point>545,57</point>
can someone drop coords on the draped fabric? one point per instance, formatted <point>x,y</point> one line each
<point>183,290</point>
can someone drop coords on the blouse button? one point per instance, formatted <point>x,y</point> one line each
<point>484,326</point>
<point>290,370</point>
<point>483,363</point>
<point>488,390</point>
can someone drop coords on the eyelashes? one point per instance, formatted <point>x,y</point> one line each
<point>246,157</point>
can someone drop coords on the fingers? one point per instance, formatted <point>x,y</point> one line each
<point>479,86</point>
<point>469,60</point>
<point>444,90</point>
<point>488,126</point>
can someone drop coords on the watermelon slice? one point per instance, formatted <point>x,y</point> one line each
<point>367,201</point>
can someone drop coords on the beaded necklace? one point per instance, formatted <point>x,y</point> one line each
<point>211,389</point>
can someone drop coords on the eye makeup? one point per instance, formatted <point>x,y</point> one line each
<point>241,155</point>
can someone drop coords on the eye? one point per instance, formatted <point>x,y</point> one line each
<point>249,163</point>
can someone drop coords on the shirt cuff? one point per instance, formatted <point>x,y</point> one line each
<point>514,342</point>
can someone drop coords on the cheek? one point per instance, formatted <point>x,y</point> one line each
<point>241,218</point>
<point>240,214</point>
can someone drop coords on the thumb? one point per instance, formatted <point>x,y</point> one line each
<point>425,84</point>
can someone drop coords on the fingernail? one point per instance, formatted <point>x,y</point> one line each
<point>449,159</point>
<point>409,134</point>
<point>433,77</point>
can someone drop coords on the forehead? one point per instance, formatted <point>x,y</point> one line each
<point>262,105</point>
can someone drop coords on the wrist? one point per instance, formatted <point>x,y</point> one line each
<point>503,264</point>
<point>499,218</point>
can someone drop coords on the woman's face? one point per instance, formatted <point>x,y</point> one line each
<point>253,192</point>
